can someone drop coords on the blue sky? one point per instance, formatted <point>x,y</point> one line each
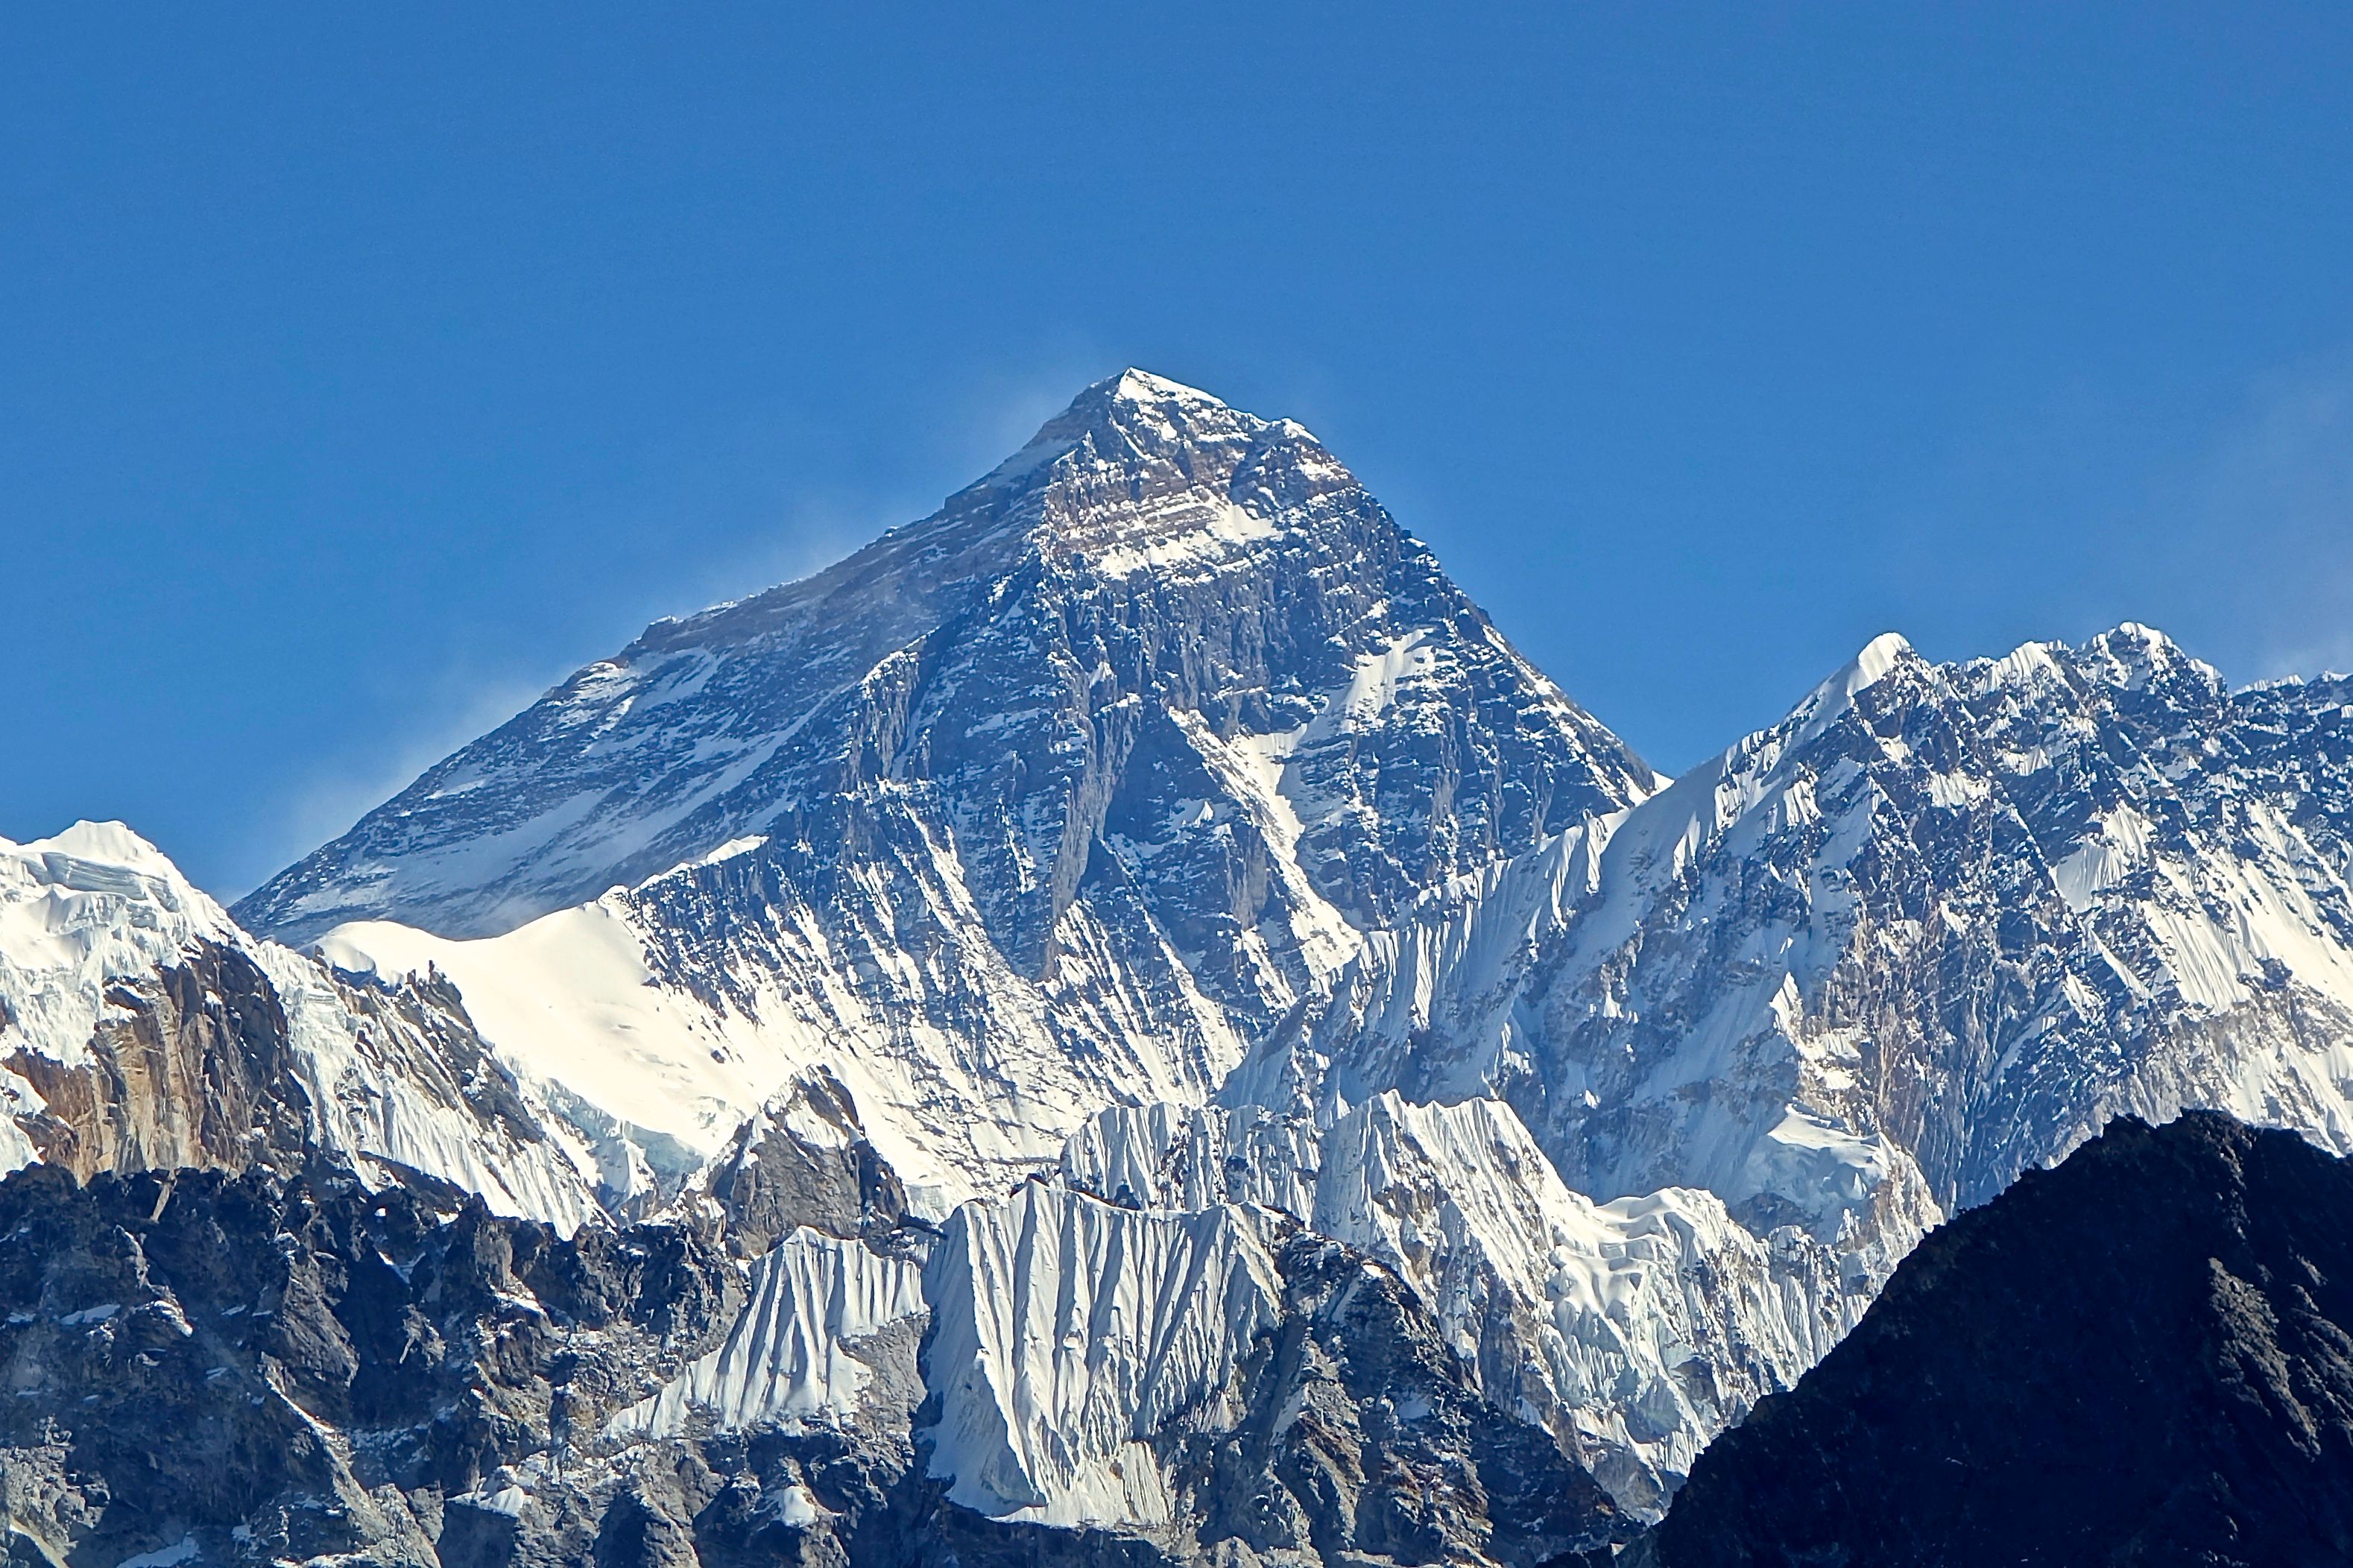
<point>363,371</point>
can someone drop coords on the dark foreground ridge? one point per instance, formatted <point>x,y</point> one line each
<point>282,1366</point>
<point>2142,1357</point>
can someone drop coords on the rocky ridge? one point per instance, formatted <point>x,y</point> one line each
<point>140,1030</point>
<point>1933,930</point>
<point>393,1376</point>
<point>2140,1357</point>
<point>1109,979</point>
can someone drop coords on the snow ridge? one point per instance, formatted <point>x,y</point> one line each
<point>1057,799</point>
<point>1933,930</point>
<point>131,1005</point>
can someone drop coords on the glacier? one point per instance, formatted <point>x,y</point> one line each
<point>1166,1028</point>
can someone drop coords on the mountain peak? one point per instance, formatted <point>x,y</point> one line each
<point>1245,575</point>
<point>1139,392</point>
<point>1136,384</point>
<point>108,844</point>
<point>1879,657</point>
<point>1136,418</point>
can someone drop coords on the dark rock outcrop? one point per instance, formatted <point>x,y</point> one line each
<point>266,1365</point>
<point>2143,1356</point>
<point>283,1366</point>
<point>1362,1442</point>
<point>804,1161</point>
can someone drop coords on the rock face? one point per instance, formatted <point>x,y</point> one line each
<point>274,1365</point>
<point>1153,1035</point>
<point>140,1030</point>
<point>2144,1355</point>
<point>266,1366</point>
<point>804,1159</point>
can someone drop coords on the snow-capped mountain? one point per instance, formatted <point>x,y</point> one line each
<point>1141,1018</point>
<point>1056,799</point>
<point>1932,929</point>
<point>1160,604</point>
<point>140,1030</point>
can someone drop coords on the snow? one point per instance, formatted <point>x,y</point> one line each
<point>572,1000</point>
<point>1606,1301</point>
<point>371,1104</point>
<point>732,849</point>
<point>1819,1164</point>
<point>1187,538</point>
<point>183,1550</point>
<point>1729,902</point>
<point>1830,701</point>
<point>792,1356</point>
<point>98,905</point>
<point>2119,846</point>
<point>638,886</point>
<point>1257,769</point>
<point>93,904</point>
<point>1642,1109</point>
<point>1066,1330</point>
<point>569,999</point>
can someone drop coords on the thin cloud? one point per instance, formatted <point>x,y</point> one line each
<point>791,527</point>
<point>2278,490</point>
<point>325,801</point>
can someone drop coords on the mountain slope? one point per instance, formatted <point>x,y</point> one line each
<point>1929,931</point>
<point>1152,561</point>
<point>1056,799</point>
<point>2144,1355</point>
<point>139,1029</point>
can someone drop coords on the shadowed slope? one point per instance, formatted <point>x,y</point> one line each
<point>2141,1356</point>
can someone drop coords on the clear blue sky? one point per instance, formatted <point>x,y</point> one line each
<point>365,369</point>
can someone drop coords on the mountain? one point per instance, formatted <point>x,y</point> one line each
<point>1158,594</point>
<point>1056,799</point>
<point>1131,1026</point>
<point>1297,832</point>
<point>142,1029</point>
<point>1931,931</point>
<point>2144,1355</point>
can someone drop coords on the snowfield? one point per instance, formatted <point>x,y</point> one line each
<point>1158,859</point>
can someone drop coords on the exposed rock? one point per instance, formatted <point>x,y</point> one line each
<point>190,1065</point>
<point>2144,1355</point>
<point>139,1029</point>
<point>1153,562</point>
<point>803,1159</point>
<point>1930,931</point>
<point>278,1365</point>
